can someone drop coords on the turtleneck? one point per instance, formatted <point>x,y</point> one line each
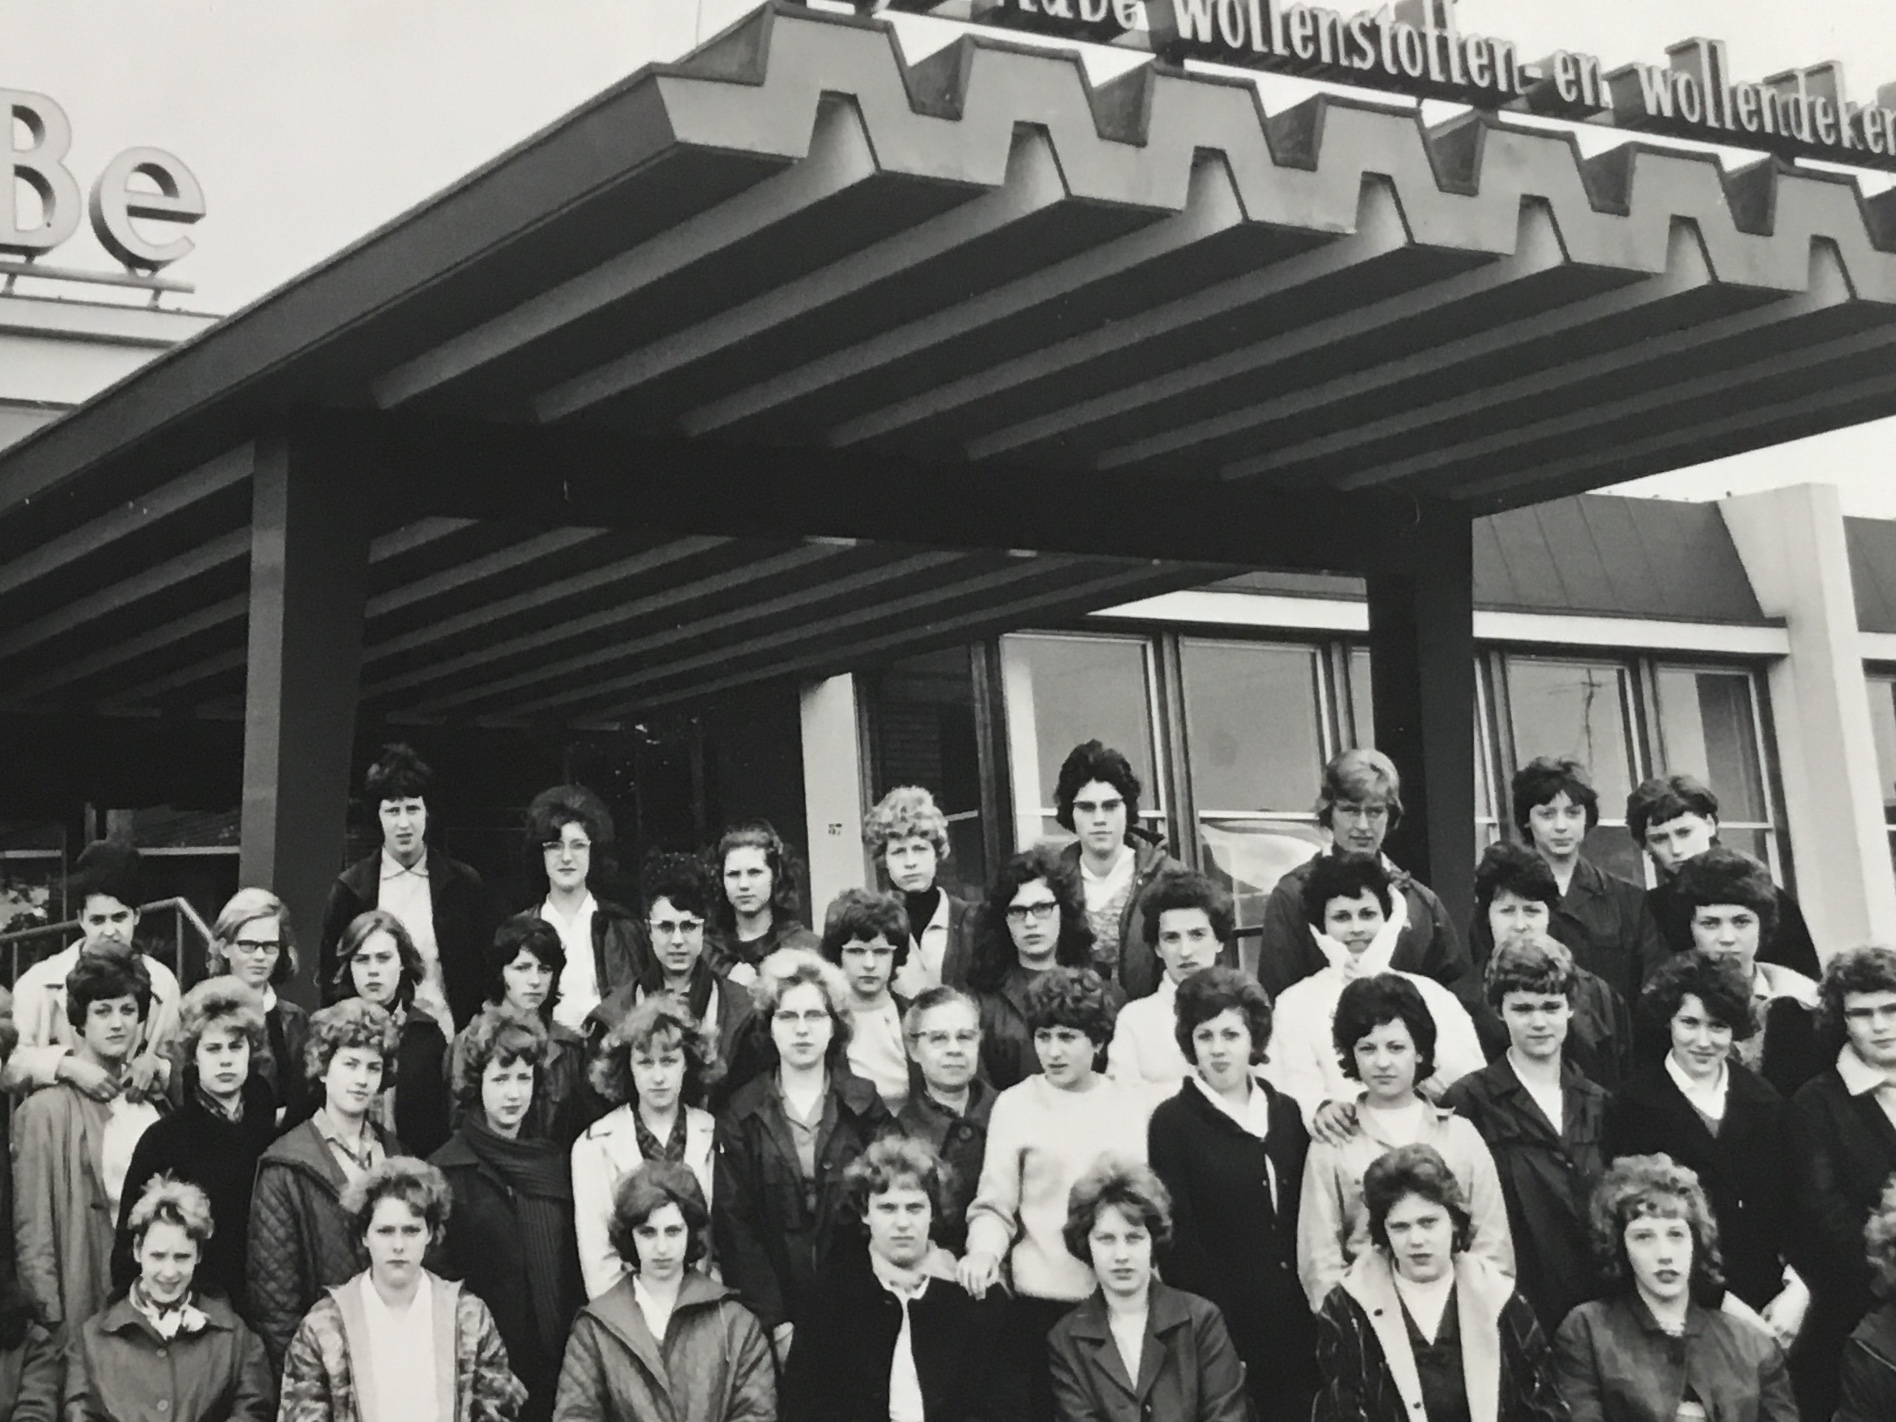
<point>921,909</point>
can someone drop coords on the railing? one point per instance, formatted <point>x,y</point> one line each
<point>182,913</point>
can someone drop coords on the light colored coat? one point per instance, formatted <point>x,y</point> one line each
<point>605,1153</point>
<point>39,1011</point>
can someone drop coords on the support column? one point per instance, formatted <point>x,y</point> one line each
<point>832,791</point>
<point>1422,665</point>
<point>309,547</point>
<point>1793,547</point>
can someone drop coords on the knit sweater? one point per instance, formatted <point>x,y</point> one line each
<point>1040,1140</point>
<point>1144,1050</point>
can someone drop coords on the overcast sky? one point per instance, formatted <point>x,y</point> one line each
<point>310,122</point>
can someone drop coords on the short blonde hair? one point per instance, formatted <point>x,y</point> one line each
<point>789,968</point>
<point>1359,776</point>
<point>219,1002</point>
<point>168,1200</point>
<point>502,1034</point>
<point>905,812</point>
<point>248,906</point>
<point>417,1184</point>
<point>353,1022</point>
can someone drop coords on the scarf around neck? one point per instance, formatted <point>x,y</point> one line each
<point>539,1174</point>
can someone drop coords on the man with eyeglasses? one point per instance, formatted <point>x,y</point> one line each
<point>948,1107</point>
<point>569,832</point>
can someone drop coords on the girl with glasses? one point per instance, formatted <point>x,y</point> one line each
<point>254,942</point>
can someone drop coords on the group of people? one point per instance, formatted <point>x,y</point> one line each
<point>1605,1153</point>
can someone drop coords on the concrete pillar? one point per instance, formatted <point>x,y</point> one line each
<point>1792,543</point>
<point>309,547</point>
<point>1422,662</point>
<point>833,791</point>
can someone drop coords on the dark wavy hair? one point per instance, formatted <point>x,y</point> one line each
<point>862,916</point>
<point>778,857</point>
<point>102,977</point>
<point>1133,1189</point>
<point>500,1034</point>
<point>1186,889</point>
<point>893,1161</point>
<point>1344,876</point>
<point>646,1191</point>
<point>533,934</point>
<point>359,931</point>
<point>1377,1001</point>
<point>1719,986</point>
<point>549,814</point>
<point>398,774</point>
<point>1666,797</point>
<point>1543,966</point>
<point>1417,1170</point>
<point>1072,997</point>
<point>1729,876</point>
<point>1655,1186</point>
<point>1095,760</point>
<point>994,951</point>
<point>1212,991</point>
<point>108,869</point>
<point>1541,779</point>
<point>1871,968</point>
<point>1517,869</point>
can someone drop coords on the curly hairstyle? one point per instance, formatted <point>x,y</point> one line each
<point>1519,871</point>
<point>168,1200</point>
<point>1719,986</point>
<point>789,968</point>
<point>415,1183</point>
<point>1344,876</point>
<point>1541,779</point>
<point>500,1034</point>
<point>646,1191</point>
<point>1729,876</point>
<point>1086,763</point>
<point>682,881</point>
<point>398,774</point>
<point>1417,1170</point>
<point>1855,971</point>
<point>1880,1235</point>
<point>895,1161</point>
<point>219,1002</point>
<point>363,927</point>
<point>657,1022</point>
<point>1186,889</point>
<point>1210,992</point>
<point>102,977</point>
<point>531,934</point>
<point>906,812</point>
<point>550,812</point>
<point>994,951</point>
<point>1542,966</point>
<point>860,916</point>
<point>351,1023</point>
<point>1072,997</point>
<point>1377,1001</point>
<point>1124,1185</point>
<point>778,857</point>
<point>1666,797</point>
<point>1653,1187</point>
<point>1360,776</point>
<point>248,906</point>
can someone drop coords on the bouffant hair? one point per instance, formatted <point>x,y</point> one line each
<point>894,1161</point>
<point>168,1200</point>
<point>1360,776</point>
<point>361,929</point>
<point>106,869</point>
<point>906,812</point>
<point>1344,876</point>
<point>1543,966</point>
<point>862,916</point>
<point>346,1024</point>
<point>415,1183</point>
<point>1719,986</point>
<point>1541,779</point>
<point>1377,1001</point>
<point>1666,797</point>
<point>500,1034</point>
<point>1729,876</point>
<point>1186,889</point>
<point>398,774</point>
<point>1209,993</point>
<point>102,976</point>
<point>1656,1187</point>
<point>994,952</point>
<point>646,1191</point>
<point>1095,760</point>
<point>1857,970</point>
<point>219,1002</point>
<point>1127,1186</point>
<point>1072,997</point>
<point>658,1021</point>
<point>248,906</point>
<point>1518,870</point>
<point>553,810</point>
<point>1417,1170</point>
<point>789,968</point>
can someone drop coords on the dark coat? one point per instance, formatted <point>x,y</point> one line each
<point>960,1140</point>
<point>1745,1169</point>
<point>1599,1034</point>
<point>1235,1243</point>
<point>773,1228</point>
<point>1605,921</point>
<point>618,941</point>
<point>713,1364</point>
<point>281,1064</point>
<point>420,1090</point>
<point>119,1370</point>
<point>1868,1380</point>
<point>1429,945</point>
<point>1547,1178</point>
<point>485,1247</point>
<point>964,921</point>
<point>1139,967</point>
<point>220,1157</point>
<point>1188,1369</point>
<point>839,1362</point>
<point>1617,1365</point>
<point>463,925</point>
<point>30,1373</point>
<point>732,952</point>
<point>300,1240</point>
<point>1791,946</point>
<point>743,1040</point>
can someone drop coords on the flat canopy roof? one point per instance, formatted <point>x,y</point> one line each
<point>598,398</point>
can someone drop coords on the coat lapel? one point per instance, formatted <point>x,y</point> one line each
<point>1090,1325</point>
<point>355,1335</point>
<point>620,1313</point>
<point>447,1297</point>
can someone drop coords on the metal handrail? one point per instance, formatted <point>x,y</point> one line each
<point>181,908</point>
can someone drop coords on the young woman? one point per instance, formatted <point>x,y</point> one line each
<point>757,910</point>
<point>866,935</point>
<point>163,1349</point>
<point>778,1211</point>
<point>568,842</point>
<point>652,1065</point>
<point>1172,1346</point>
<point>524,967</point>
<point>378,962</point>
<point>665,1340</point>
<point>1722,1121</point>
<point>1421,1330</point>
<point>510,1234</point>
<point>907,836</point>
<point>215,1139</point>
<point>1231,1150</point>
<point>1034,921</point>
<point>396,1341</point>
<point>1186,922</point>
<point>1044,1134</point>
<point>300,1237</point>
<point>1649,1352</point>
<point>255,943</point>
<point>1386,1039</point>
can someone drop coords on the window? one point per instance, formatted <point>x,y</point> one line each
<point>1581,709</point>
<point>921,716</point>
<point>1707,727</point>
<point>1883,727</point>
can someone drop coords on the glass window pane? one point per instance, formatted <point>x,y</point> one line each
<point>1708,728</point>
<point>1362,703</point>
<point>1251,723</point>
<point>921,717</point>
<point>1578,709</point>
<point>1060,691</point>
<point>1883,728</point>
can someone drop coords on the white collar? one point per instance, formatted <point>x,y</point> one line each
<point>392,868</point>
<point>906,1284</point>
<point>586,909</point>
<point>1255,1118</point>
<point>1859,1077</point>
<point>1120,865</point>
<point>1382,948</point>
<point>1708,1099</point>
